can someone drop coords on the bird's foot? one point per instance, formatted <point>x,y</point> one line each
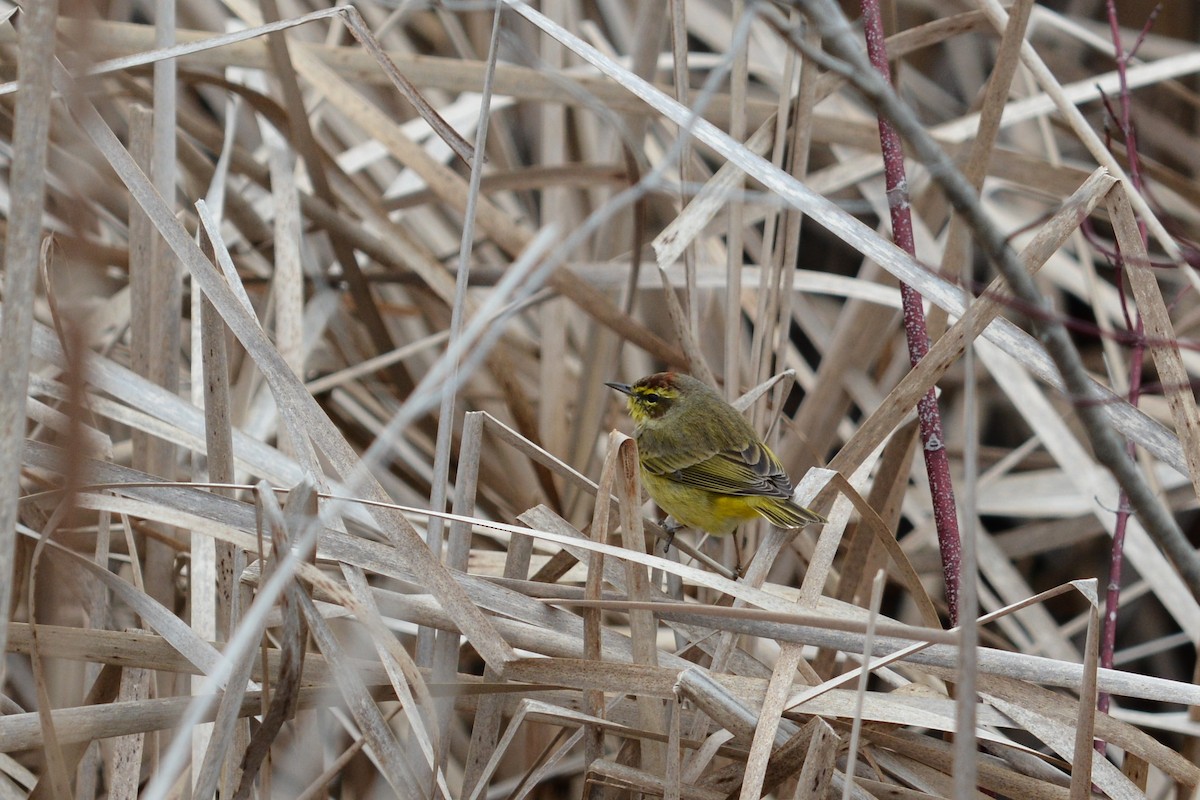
<point>670,527</point>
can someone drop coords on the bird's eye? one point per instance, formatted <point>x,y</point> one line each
<point>650,398</point>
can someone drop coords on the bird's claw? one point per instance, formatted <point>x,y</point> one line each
<point>670,527</point>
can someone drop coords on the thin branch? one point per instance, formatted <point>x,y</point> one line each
<point>933,439</point>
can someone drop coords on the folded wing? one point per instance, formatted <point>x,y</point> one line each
<point>751,472</point>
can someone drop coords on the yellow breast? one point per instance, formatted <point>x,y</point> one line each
<point>719,514</point>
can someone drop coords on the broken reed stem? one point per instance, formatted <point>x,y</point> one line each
<point>933,441</point>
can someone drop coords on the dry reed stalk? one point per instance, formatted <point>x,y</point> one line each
<point>421,239</point>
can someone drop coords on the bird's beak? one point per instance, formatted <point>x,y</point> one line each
<point>623,388</point>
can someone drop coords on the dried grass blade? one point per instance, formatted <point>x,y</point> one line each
<point>174,630</point>
<point>1081,788</point>
<point>1065,105</point>
<point>672,773</point>
<point>1137,769</point>
<point>1164,342</point>
<point>146,651</point>
<point>506,740</point>
<point>285,693</point>
<point>860,694</point>
<point>770,728</point>
<point>997,777</point>
<point>948,347</point>
<point>288,282</point>
<point>362,33</point>
<point>1058,734</point>
<point>218,439</point>
<point>126,772</point>
<point>613,777</point>
<point>407,682</point>
<point>819,761</point>
<point>887,492</point>
<point>442,648</point>
<point>722,707</point>
<point>31,138</point>
<point>83,724</point>
<point>486,728</point>
<point>883,534</point>
<point>218,756</point>
<point>142,284</point>
<point>643,628</point>
<point>176,51</point>
<point>1116,732</point>
<point>389,755</point>
<point>707,203</point>
<point>290,394</point>
<point>321,171</point>
<point>65,762</point>
<point>684,330</point>
<point>593,700</point>
<point>1090,481</point>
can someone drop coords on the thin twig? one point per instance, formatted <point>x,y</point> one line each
<point>1112,600</point>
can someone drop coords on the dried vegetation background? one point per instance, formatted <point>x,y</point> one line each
<point>280,295</point>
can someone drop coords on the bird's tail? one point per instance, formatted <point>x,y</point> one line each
<point>787,514</point>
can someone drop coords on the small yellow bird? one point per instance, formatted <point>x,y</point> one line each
<point>702,462</point>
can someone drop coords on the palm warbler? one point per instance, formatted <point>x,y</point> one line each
<point>702,462</point>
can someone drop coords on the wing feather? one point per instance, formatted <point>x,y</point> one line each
<point>751,472</point>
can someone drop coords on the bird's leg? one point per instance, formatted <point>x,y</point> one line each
<point>670,527</point>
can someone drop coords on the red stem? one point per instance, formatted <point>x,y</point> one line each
<point>937,463</point>
<point>1138,356</point>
